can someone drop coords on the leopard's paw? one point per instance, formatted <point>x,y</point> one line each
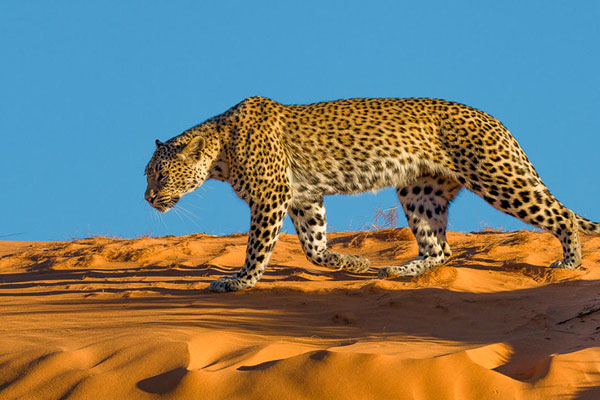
<point>229,284</point>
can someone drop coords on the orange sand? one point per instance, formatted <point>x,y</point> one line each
<point>132,319</point>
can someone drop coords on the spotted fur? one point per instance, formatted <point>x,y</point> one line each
<point>284,158</point>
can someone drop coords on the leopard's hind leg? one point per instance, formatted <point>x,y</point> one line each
<point>528,199</point>
<point>425,204</point>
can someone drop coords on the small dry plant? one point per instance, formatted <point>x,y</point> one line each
<point>384,219</point>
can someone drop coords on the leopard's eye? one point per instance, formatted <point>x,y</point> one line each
<point>160,177</point>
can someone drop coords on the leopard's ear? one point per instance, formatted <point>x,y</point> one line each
<point>158,143</point>
<point>193,149</point>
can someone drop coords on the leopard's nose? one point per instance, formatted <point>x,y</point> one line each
<point>150,195</point>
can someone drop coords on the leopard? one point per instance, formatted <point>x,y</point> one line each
<point>283,159</point>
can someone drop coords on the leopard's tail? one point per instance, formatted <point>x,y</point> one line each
<point>587,226</point>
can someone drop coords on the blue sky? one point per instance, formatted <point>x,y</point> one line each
<point>86,87</point>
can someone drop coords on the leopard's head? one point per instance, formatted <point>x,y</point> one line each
<point>177,167</point>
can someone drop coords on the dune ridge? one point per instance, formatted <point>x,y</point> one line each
<point>132,318</point>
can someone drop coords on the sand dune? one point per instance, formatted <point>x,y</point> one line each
<point>108,318</point>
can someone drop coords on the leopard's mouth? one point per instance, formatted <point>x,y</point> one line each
<point>164,203</point>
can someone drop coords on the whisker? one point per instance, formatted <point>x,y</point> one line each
<point>198,208</point>
<point>190,216</point>
<point>189,212</point>
<point>161,219</point>
<point>152,213</point>
<point>198,195</point>
<point>177,213</point>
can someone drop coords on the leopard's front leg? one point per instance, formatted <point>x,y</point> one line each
<point>266,221</point>
<point>308,216</point>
